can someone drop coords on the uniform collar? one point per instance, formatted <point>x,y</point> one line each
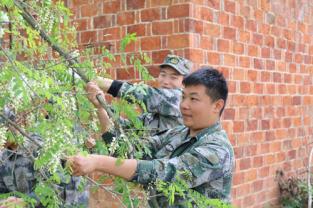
<point>208,130</point>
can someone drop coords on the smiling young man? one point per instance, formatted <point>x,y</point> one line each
<point>162,103</point>
<point>200,147</point>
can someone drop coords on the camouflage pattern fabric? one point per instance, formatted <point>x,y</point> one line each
<point>180,64</point>
<point>17,174</point>
<point>162,105</point>
<point>208,156</point>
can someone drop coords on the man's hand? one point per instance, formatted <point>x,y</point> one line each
<point>93,90</point>
<point>82,165</point>
<point>12,202</point>
<point>103,83</point>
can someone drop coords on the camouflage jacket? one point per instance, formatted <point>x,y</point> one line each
<point>17,174</point>
<point>162,105</point>
<point>208,156</point>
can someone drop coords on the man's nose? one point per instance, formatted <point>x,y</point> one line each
<point>184,104</point>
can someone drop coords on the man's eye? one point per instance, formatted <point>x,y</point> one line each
<point>194,99</point>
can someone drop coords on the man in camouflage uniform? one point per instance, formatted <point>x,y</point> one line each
<point>17,173</point>
<point>162,103</point>
<point>200,147</point>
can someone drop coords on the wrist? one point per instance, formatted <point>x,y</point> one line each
<point>103,83</point>
<point>93,161</point>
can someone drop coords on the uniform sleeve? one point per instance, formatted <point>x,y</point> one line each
<point>3,188</point>
<point>156,142</point>
<point>206,163</point>
<point>162,101</point>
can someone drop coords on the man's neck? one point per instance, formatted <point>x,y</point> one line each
<point>194,132</point>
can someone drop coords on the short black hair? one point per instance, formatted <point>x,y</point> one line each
<point>213,80</point>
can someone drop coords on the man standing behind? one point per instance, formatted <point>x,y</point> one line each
<point>162,103</point>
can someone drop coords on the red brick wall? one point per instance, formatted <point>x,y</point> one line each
<point>264,48</point>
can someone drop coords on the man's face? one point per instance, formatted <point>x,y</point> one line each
<point>197,108</point>
<point>169,78</point>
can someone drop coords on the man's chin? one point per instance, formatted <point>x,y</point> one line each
<point>187,123</point>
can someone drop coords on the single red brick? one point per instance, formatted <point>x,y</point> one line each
<point>265,76</point>
<point>223,45</point>
<point>275,31</point>
<point>229,114</point>
<point>277,54</point>
<point>135,4</point>
<point>194,26</point>
<point>257,39</point>
<point>212,30</point>
<point>111,7</point>
<point>250,150</point>
<point>257,187</point>
<point>79,2</point>
<point>150,43</point>
<point>269,41</point>
<point>265,52</point>
<point>259,14</point>
<point>89,10</point>
<point>244,36</point>
<point>277,77</point>
<point>281,43</point>
<point>245,164</point>
<point>112,33</point>
<point>81,24</point>
<point>229,60</point>
<point>230,6</point>
<point>245,87</point>
<point>179,10</point>
<point>253,50</point>
<point>237,21</point>
<point>206,42</point>
<point>252,75</point>
<point>298,58</point>
<point>139,29</point>
<point>296,100</point>
<point>178,41</point>
<point>152,14</point>
<point>125,74</point>
<point>238,178</point>
<point>250,25</point>
<point>265,4</point>
<point>258,63</point>
<point>270,65</point>
<point>252,125</point>
<point>223,18</point>
<point>154,70</point>
<point>126,18</point>
<point>215,4</point>
<point>238,48</point>
<point>229,33</point>
<point>159,56</point>
<point>206,14</point>
<point>155,3</point>
<point>213,58</point>
<point>244,61</point>
<point>249,201</point>
<point>102,21</point>
<point>88,37</point>
<point>195,55</point>
<point>238,126</point>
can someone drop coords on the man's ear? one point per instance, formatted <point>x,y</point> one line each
<point>219,104</point>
